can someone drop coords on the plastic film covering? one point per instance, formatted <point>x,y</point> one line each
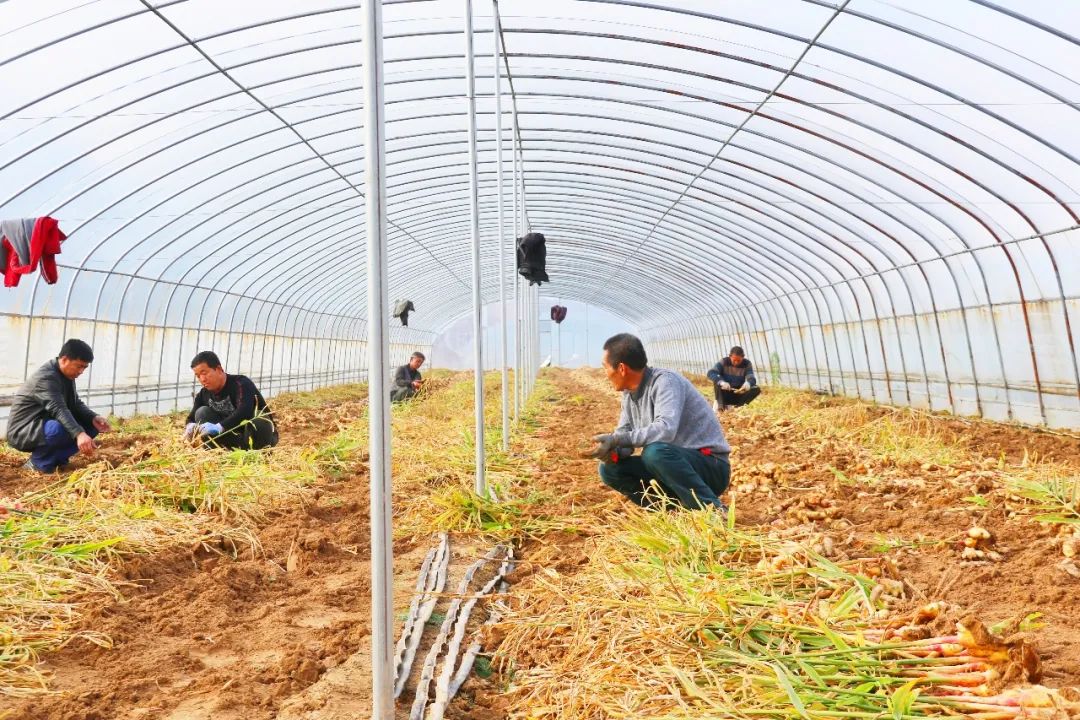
<point>874,198</point>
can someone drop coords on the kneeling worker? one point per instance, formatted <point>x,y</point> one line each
<point>407,379</point>
<point>734,381</point>
<point>229,411</point>
<point>48,419</point>
<point>683,447</point>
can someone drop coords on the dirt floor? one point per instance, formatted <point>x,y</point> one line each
<point>914,516</point>
<point>286,634</point>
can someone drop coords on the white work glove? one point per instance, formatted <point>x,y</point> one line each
<point>189,430</point>
<point>744,388</point>
<point>724,385</point>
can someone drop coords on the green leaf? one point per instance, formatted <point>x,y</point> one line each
<point>86,547</point>
<point>834,638</point>
<point>1031,622</point>
<point>483,668</point>
<point>784,679</point>
<point>902,700</point>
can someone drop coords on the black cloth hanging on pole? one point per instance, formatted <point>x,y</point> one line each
<point>532,257</point>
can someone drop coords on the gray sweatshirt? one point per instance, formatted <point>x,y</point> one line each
<point>667,408</point>
<point>19,233</point>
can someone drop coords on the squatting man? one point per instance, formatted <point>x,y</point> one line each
<point>684,454</point>
<point>47,419</point>
<point>229,411</point>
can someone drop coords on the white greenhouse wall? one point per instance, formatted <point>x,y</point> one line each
<point>147,370</point>
<point>927,360</point>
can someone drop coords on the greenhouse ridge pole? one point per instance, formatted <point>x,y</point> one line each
<point>500,235</point>
<point>474,213</point>
<point>518,332</point>
<point>382,599</point>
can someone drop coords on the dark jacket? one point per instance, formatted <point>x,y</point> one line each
<point>735,375</point>
<point>532,258</point>
<point>46,395</point>
<point>405,376</point>
<point>238,401</point>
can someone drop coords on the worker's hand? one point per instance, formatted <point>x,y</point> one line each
<point>416,384</point>
<point>604,445</point>
<point>101,424</point>
<point>85,443</point>
<point>189,430</point>
<point>211,429</point>
<point>724,385</point>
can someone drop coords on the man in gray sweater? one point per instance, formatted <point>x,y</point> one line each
<point>683,447</point>
<point>47,417</point>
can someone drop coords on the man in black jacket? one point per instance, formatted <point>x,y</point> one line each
<point>734,381</point>
<point>229,411</point>
<point>407,380</point>
<point>48,419</point>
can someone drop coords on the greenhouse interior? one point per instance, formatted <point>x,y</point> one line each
<point>725,356</point>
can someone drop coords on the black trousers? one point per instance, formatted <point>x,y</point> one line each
<point>730,398</point>
<point>254,434</point>
<point>401,394</point>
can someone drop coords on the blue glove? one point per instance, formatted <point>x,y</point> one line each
<point>189,430</point>
<point>211,429</point>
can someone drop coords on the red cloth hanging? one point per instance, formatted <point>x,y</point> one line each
<point>44,247</point>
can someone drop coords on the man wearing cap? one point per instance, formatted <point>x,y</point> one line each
<point>684,454</point>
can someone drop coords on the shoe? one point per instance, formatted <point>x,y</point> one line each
<point>29,465</point>
<point>715,406</point>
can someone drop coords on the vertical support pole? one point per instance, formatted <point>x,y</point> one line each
<point>382,599</point>
<point>558,344</point>
<point>519,335</point>
<point>474,223</point>
<point>500,235</point>
<point>587,348</point>
<point>534,317</point>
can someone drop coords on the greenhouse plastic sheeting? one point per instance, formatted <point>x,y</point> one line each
<point>874,198</point>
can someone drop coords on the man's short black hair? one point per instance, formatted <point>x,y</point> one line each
<point>206,356</point>
<point>419,355</point>
<point>77,350</point>
<point>737,350</point>
<point>627,349</point>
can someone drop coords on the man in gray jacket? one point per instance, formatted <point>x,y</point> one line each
<point>683,447</point>
<point>48,419</point>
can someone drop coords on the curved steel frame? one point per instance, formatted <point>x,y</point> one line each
<point>818,262</point>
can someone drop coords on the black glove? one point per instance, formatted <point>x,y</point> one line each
<point>605,444</point>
